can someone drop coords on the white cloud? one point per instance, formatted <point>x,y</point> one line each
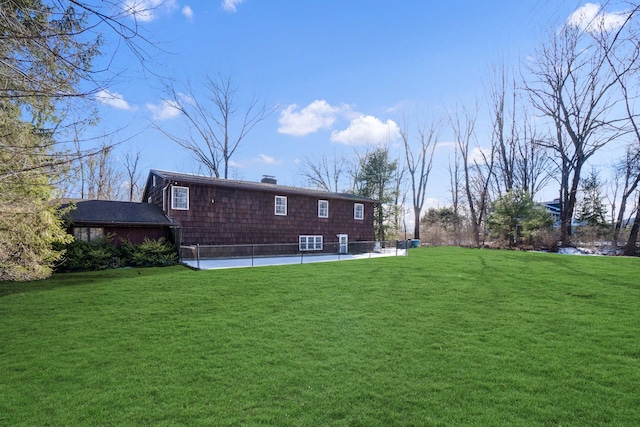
<point>592,18</point>
<point>315,116</point>
<point>187,12</point>
<point>431,202</point>
<point>230,5</point>
<point>147,10</point>
<point>400,106</point>
<point>186,99</point>
<point>263,158</point>
<point>113,99</point>
<point>367,130</point>
<point>480,156</point>
<point>260,159</point>
<point>164,110</point>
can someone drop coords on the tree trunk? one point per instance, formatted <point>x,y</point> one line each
<point>568,199</point>
<point>416,219</point>
<point>630,248</point>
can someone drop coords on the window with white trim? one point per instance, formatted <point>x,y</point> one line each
<point>180,198</point>
<point>281,205</point>
<point>358,211</point>
<point>310,243</point>
<point>323,208</point>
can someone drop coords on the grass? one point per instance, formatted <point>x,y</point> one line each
<point>445,336</point>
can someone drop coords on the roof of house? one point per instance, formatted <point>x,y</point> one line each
<point>250,185</point>
<point>117,213</point>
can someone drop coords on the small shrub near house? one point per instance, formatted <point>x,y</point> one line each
<point>150,253</point>
<point>103,254</point>
<point>98,254</point>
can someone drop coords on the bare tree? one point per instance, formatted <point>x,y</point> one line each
<point>621,49</point>
<point>78,170</point>
<point>455,191</point>
<point>131,161</point>
<point>502,98</point>
<point>625,182</point>
<point>103,179</point>
<point>572,85</point>
<point>419,161</point>
<point>216,121</point>
<point>477,172</point>
<point>533,166</point>
<point>521,161</point>
<point>325,173</point>
<point>399,198</point>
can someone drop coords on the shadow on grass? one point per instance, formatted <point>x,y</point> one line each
<point>87,278</point>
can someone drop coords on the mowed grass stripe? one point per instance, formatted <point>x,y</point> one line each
<point>445,336</point>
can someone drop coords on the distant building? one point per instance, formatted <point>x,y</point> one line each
<point>553,207</point>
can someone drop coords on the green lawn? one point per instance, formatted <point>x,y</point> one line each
<point>445,336</point>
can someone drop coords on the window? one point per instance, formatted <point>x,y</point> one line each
<point>358,211</point>
<point>180,198</point>
<point>154,181</point>
<point>310,243</point>
<point>87,234</point>
<point>323,209</point>
<point>281,205</point>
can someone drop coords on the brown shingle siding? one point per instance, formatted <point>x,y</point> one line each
<point>236,212</point>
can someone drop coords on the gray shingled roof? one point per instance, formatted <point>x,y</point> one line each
<point>116,213</point>
<point>250,185</point>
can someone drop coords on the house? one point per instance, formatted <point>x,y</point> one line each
<point>133,222</point>
<point>213,211</point>
<point>553,207</point>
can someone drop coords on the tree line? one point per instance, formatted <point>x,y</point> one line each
<point>573,98</point>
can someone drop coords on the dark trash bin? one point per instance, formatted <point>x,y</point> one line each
<point>403,244</point>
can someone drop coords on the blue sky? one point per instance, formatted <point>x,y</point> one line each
<point>341,72</point>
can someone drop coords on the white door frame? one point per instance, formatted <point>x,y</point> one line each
<point>343,243</point>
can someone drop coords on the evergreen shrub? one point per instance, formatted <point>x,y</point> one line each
<point>150,253</point>
<point>102,254</point>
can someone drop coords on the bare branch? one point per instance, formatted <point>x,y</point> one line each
<point>217,122</point>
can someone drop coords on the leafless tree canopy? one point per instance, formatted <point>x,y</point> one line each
<point>325,173</point>
<point>217,121</point>
<point>131,162</point>
<point>521,161</point>
<point>419,162</point>
<point>476,170</point>
<point>571,83</point>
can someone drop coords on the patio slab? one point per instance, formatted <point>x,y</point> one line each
<point>220,263</point>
